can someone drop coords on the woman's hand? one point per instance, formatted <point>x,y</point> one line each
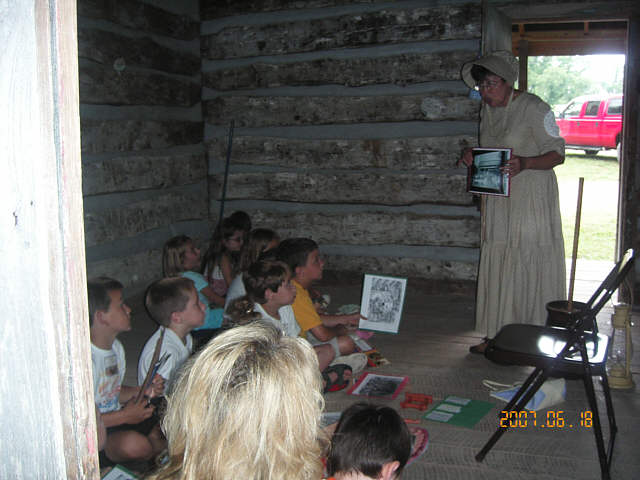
<point>514,166</point>
<point>466,158</point>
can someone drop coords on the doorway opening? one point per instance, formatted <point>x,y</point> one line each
<point>578,68</point>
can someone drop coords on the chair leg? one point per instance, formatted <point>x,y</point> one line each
<point>613,427</point>
<point>597,427</point>
<point>517,403</point>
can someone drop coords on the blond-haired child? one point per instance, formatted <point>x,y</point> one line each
<point>180,257</point>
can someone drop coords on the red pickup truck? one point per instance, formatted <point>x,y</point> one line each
<point>592,123</point>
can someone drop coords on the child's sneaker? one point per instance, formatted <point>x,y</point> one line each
<point>162,458</point>
<point>357,362</point>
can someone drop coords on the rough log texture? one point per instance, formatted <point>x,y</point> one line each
<point>132,135</point>
<point>140,16</point>
<point>131,173</point>
<point>349,31</point>
<point>138,217</point>
<point>107,47</point>
<point>252,111</point>
<point>103,85</point>
<point>135,272</point>
<point>374,228</point>
<point>404,267</point>
<point>223,8</point>
<point>403,154</point>
<point>346,187</point>
<point>353,72</point>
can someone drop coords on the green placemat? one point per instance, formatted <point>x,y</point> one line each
<point>459,411</point>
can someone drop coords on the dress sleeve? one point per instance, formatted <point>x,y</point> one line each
<point>545,131</point>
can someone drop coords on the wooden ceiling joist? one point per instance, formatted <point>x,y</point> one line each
<point>578,38</point>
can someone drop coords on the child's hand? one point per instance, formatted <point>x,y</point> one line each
<point>135,412</point>
<point>466,158</point>
<point>157,387</point>
<point>352,321</point>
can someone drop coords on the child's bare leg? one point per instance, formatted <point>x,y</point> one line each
<point>128,445</point>
<point>325,355</point>
<point>346,345</point>
<point>157,440</point>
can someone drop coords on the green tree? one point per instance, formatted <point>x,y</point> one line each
<point>559,79</point>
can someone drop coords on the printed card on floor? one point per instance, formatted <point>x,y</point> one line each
<point>374,385</point>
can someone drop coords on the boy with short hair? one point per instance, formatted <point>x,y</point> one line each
<point>173,303</point>
<point>303,257</point>
<point>127,437</point>
<point>269,294</point>
<point>370,442</point>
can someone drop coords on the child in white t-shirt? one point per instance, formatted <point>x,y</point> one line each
<point>270,294</point>
<point>174,304</point>
<point>129,435</point>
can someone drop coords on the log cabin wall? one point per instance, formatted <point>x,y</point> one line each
<point>349,118</point>
<point>143,160</point>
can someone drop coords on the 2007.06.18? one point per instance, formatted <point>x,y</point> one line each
<point>551,419</point>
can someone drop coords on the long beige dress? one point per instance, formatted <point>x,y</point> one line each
<point>522,264</point>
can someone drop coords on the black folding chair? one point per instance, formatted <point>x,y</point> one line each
<point>574,351</point>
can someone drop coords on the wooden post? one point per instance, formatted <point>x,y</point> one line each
<point>523,54</point>
<point>47,426</point>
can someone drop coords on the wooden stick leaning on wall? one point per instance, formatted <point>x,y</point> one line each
<point>574,255</point>
<point>226,173</point>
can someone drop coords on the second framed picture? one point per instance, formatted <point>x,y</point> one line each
<point>382,303</point>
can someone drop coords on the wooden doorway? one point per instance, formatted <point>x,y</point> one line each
<point>609,17</point>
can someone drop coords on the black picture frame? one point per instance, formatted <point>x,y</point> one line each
<point>485,176</point>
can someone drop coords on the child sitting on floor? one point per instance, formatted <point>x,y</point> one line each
<point>243,221</point>
<point>370,442</point>
<point>220,262</point>
<point>270,293</point>
<point>260,241</point>
<point>180,257</point>
<point>269,297</point>
<point>129,435</point>
<point>303,257</point>
<point>174,305</point>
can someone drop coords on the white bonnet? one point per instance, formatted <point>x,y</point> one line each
<point>501,63</point>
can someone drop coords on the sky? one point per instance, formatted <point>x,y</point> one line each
<point>603,67</point>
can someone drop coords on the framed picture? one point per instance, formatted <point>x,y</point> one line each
<point>382,302</point>
<point>374,385</point>
<point>485,174</point>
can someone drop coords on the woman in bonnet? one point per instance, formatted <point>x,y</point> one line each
<point>522,265</point>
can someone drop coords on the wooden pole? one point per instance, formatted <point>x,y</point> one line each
<point>576,235</point>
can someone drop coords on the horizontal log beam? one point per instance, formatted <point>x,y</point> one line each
<point>135,272</point>
<point>404,267</point>
<point>402,154</point>
<point>373,228</point>
<point>120,51</point>
<point>347,31</point>
<point>103,85</point>
<point>402,69</point>
<point>138,172</point>
<point>257,111</point>
<point>99,136</point>
<point>345,187</point>
<point>106,225</point>
<point>140,16</point>
<point>213,9</point>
